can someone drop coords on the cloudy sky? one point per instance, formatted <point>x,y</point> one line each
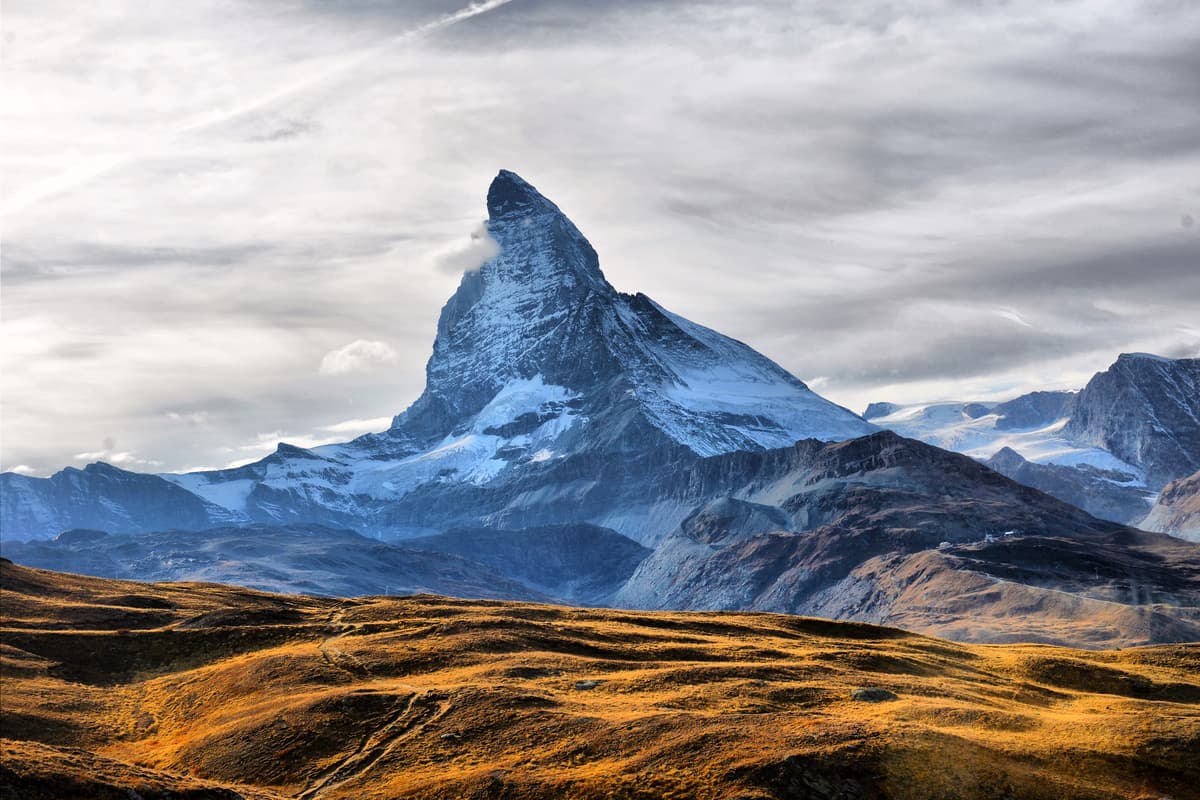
<point>227,223</point>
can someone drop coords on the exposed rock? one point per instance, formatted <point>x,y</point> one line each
<point>1145,410</point>
<point>1177,510</point>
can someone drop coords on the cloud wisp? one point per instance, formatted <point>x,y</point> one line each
<point>148,146</point>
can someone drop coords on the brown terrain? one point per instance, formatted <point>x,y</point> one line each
<point>129,690</point>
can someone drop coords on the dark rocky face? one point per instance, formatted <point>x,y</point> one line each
<point>1146,411</point>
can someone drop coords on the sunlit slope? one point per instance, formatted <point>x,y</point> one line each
<point>205,691</point>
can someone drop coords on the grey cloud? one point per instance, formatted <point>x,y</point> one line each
<point>819,181</point>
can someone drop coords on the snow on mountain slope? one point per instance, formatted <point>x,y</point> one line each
<point>951,426</point>
<point>722,396</point>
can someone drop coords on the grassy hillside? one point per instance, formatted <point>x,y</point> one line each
<point>198,690</point>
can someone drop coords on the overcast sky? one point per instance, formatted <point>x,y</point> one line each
<point>231,223</point>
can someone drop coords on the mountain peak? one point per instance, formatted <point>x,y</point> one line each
<point>1142,357</point>
<point>512,194</point>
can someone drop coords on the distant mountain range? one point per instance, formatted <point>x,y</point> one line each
<point>1109,448</point>
<point>583,445</point>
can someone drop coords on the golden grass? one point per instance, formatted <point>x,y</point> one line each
<point>199,686</point>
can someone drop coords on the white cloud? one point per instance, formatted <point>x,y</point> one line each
<point>193,418</point>
<point>360,355</point>
<point>469,254</point>
<point>1012,315</point>
<point>119,457</point>
<point>23,469</point>
<point>359,426</point>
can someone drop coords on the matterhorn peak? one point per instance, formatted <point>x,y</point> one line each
<point>540,313</point>
<point>512,194</point>
<point>543,257</point>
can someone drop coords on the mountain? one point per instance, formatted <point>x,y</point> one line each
<point>1107,448</point>
<point>801,529</point>
<point>115,689</point>
<point>1145,410</point>
<point>825,528</point>
<point>1104,493</point>
<point>301,559</point>
<point>550,398</point>
<point>569,564</point>
<point>100,496</point>
<point>1177,510</point>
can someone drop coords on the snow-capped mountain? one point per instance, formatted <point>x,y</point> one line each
<point>1108,448</point>
<point>1145,410</point>
<point>550,397</point>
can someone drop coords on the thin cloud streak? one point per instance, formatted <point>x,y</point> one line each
<point>22,199</point>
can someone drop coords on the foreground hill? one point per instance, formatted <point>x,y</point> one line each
<point>120,689</point>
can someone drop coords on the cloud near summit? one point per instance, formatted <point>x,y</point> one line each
<point>358,356</point>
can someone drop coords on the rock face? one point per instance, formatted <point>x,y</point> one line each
<point>1177,510</point>
<point>1145,410</point>
<point>543,381</point>
<point>1033,410</point>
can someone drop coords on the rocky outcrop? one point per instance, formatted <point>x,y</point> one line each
<point>1177,510</point>
<point>1145,410</point>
